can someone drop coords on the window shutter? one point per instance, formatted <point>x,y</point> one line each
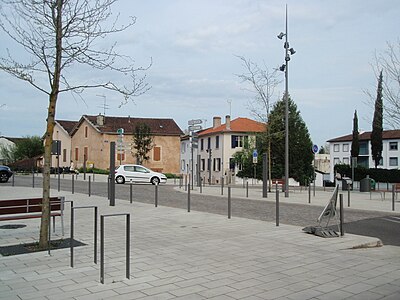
<point>157,153</point>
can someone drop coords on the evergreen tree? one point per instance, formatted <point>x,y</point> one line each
<point>355,144</point>
<point>300,144</point>
<point>142,142</point>
<point>377,125</point>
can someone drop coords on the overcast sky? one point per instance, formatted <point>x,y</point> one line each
<point>194,47</point>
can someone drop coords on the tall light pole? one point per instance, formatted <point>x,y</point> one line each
<point>285,68</point>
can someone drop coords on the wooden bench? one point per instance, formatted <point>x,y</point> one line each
<point>383,192</point>
<point>20,209</point>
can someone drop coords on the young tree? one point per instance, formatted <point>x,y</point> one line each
<point>377,125</point>
<point>300,155</point>
<point>262,83</point>
<point>142,142</point>
<point>388,62</point>
<point>355,145</point>
<point>59,35</point>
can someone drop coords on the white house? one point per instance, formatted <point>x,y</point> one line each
<point>217,144</point>
<point>340,148</point>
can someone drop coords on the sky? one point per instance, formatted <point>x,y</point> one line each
<point>193,46</point>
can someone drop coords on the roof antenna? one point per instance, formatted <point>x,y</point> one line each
<point>105,105</point>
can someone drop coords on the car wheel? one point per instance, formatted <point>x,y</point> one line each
<point>155,181</point>
<point>120,180</point>
<point>3,177</point>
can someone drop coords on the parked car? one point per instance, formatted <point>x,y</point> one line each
<point>5,173</point>
<point>137,173</point>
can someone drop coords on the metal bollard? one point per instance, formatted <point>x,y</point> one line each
<point>156,196</point>
<point>89,187</point>
<point>393,194</point>
<point>201,188</point>
<point>309,192</point>
<point>130,193</point>
<point>222,185</point>
<point>247,189</point>
<point>188,199</point>
<point>348,196</point>
<point>33,179</point>
<point>73,184</point>
<point>341,214</point>
<point>277,206</point>
<point>229,203</point>
<point>13,179</point>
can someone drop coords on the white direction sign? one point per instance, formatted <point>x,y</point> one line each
<point>195,122</point>
<point>194,127</point>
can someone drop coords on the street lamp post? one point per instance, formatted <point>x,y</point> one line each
<point>285,68</point>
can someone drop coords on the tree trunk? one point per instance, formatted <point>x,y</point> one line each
<point>55,86</point>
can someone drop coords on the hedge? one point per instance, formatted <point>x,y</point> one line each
<point>379,175</point>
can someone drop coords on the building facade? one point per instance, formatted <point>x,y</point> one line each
<point>340,151</point>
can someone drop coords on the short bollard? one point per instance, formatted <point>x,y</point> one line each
<point>201,188</point>
<point>73,184</point>
<point>128,242</point>
<point>393,196</point>
<point>188,199</point>
<point>229,203</point>
<point>33,179</point>
<point>309,192</point>
<point>341,214</point>
<point>130,193</point>
<point>247,189</point>
<point>71,242</point>
<point>13,179</point>
<point>186,183</point>
<point>222,185</point>
<point>277,206</point>
<point>348,196</point>
<point>89,188</point>
<point>156,195</point>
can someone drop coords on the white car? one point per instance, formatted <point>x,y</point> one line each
<point>137,173</point>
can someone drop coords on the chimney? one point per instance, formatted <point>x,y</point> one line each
<point>216,122</point>
<point>228,122</point>
<point>100,120</point>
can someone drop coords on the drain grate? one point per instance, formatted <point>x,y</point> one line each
<point>12,226</point>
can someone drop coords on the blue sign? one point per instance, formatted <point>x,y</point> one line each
<point>315,149</point>
<point>255,154</point>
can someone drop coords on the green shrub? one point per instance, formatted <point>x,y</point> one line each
<point>379,175</point>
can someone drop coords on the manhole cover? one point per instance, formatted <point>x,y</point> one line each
<point>12,226</point>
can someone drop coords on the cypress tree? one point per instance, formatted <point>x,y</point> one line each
<point>355,144</point>
<point>377,125</point>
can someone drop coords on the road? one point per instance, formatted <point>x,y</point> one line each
<point>385,226</point>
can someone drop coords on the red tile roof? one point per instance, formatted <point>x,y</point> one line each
<point>157,126</point>
<point>67,125</point>
<point>366,136</point>
<point>237,125</point>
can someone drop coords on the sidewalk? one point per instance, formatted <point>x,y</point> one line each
<point>180,255</point>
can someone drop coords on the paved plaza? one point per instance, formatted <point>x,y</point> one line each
<point>177,254</point>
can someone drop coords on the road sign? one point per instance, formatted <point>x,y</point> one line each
<point>120,131</point>
<point>194,127</point>
<point>195,122</point>
<point>314,149</point>
<point>255,156</point>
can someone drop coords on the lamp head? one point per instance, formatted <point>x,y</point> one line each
<point>292,51</point>
<point>281,35</point>
<point>282,68</point>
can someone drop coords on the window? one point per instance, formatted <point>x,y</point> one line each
<point>237,141</point>
<point>209,143</point>
<point>336,161</point>
<point>183,148</point>
<point>217,142</point>
<point>203,165</point>
<point>346,161</point>
<point>393,161</point>
<point>364,148</point>
<point>86,132</point>
<point>217,164</point>
<point>76,153</point>
<point>380,162</point>
<point>393,146</point>
<point>336,147</point>
<point>202,144</point>
<point>345,147</point>
<point>64,155</point>
<point>183,165</point>
<point>157,153</point>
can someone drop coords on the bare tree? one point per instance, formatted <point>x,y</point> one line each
<point>389,63</point>
<point>59,35</point>
<point>261,83</point>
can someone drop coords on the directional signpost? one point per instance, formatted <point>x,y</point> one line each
<point>194,125</point>
<point>315,151</point>
<point>255,159</point>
